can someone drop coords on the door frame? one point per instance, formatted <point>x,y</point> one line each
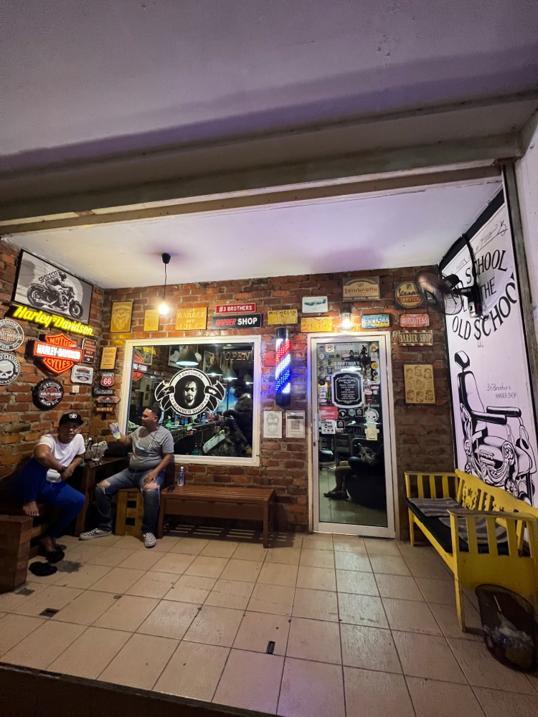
<point>393,530</point>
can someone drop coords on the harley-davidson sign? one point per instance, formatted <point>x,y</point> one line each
<point>57,353</point>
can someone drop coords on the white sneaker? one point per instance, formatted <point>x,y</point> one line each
<point>150,541</point>
<point>95,533</point>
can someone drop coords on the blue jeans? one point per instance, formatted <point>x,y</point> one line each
<point>32,484</point>
<point>128,478</point>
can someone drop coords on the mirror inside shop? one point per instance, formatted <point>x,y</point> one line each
<point>351,456</point>
<point>205,393</point>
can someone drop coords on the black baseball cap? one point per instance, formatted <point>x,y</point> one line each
<point>71,418</point>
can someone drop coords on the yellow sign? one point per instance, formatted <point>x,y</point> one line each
<point>366,288</point>
<point>418,382</point>
<point>108,357</point>
<point>191,319</point>
<point>281,316</point>
<point>120,318</point>
<point>50,321</point>
<point>316,323</point>
<point>151,320</point>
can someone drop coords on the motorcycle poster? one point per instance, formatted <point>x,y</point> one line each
<point>494,421</point>
<point>44,286</point>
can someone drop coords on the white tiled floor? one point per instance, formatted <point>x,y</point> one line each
<point>359,626</point>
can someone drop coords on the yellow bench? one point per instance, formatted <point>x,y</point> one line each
<point>491,537</point>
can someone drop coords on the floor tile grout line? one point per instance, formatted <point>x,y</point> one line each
<point>43,620</point>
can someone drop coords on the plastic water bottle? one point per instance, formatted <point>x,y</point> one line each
<point>181,476</point>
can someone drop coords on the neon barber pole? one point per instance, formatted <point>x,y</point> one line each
<point>283,368</point>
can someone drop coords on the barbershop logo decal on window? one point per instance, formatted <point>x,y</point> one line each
<point>190,392</point>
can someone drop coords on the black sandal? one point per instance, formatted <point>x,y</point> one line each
<point>52,556</point>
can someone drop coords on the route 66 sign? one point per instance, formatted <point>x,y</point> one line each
<point>106,380</point>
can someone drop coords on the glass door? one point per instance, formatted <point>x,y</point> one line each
<point>352,441</point>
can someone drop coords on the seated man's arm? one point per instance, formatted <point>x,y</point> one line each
<point>44,455</point>
<point>154,472</point>
<point>68,472</point>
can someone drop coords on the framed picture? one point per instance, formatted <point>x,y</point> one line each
<point>418,383</point>
<point>42,285</point>
<point>120,317</point>
<point>151,320</point>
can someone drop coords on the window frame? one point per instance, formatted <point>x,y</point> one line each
<point>123,406</point>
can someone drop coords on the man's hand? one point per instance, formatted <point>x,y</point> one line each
<point>68,472</point>
<point>149,480</point>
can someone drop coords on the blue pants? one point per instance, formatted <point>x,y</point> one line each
<point>128,478</point>
<point>32,484</point>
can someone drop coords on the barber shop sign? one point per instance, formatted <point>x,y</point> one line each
<point>495,425</point>
<point>190,392</point>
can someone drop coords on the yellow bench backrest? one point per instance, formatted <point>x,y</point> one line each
<point>474,494</point>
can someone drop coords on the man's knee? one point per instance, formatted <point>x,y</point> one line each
<point>152,487</point>
<point>102,487</point>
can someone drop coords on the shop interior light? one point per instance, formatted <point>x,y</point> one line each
<point>215,369</point>
<point>346,322</point>
<point>187,357</point>
<point>164,308</point>
<point>247,379</point>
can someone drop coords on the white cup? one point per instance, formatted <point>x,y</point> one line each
<point>53,476</point>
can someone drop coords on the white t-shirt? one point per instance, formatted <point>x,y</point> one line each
<point>63,452</point>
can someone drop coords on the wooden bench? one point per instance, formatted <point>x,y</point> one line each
<point>208,501</point>
<point>486,536</point>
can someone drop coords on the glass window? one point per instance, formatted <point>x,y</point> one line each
<point>206,393</point>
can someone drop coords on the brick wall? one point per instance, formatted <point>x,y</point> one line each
<point>21,423</point>
<point>423,433</point>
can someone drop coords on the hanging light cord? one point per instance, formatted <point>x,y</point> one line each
<point>165,281</point>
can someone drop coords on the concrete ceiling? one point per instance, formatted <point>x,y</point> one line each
<point>80,80</point>
<point>405,228</point>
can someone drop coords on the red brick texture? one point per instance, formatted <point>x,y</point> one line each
<point>423,436</point>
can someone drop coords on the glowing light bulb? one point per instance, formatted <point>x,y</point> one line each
<point>164,308</point>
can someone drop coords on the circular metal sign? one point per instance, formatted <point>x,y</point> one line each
<point>11,335</point>
<point>10,368</point>
<point>47,394</point>
<point>408,295</point>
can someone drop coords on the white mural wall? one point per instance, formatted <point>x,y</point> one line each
<point>495,426</point>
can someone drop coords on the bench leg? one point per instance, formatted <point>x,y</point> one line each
<point>458,594</point>
<point>266,509</point>
<point>412,539</point>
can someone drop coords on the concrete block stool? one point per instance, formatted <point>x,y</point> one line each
<point>129,512</point>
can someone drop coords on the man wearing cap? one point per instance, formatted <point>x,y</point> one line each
<point>44,479</point>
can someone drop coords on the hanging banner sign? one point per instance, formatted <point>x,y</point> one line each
<point>346,389</point>
<point>414,321</point>
<point>192,319</point>
<point>82,374</point>
<point>249,308</point>
<point>49,321</point>
<point>47,394</point>
<point>280,317</point>
<point>367,288</point>
<point>415,338</point>
<point>408,296</point>
<point>89,350</point>
<point>375,321</point>
<point>10,368</point>
<point>11,335</point>
<point>494,416</point>
<point>250,321</point>
<point>315,324</point>
<point>57,353</point>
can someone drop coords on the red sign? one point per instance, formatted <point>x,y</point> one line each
<point>414,321</point>
<point>328,413</point>
<point>58,353</point>
<point>235,308</point>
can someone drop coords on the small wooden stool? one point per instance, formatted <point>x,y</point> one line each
<point>129,512</point>
<point>15,536</point>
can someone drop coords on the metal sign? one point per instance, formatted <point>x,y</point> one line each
<point>100,391</point>
<point>414,321</point>
<point>315,324</point>
<point>50,321</point>
<point>106,380</point>
<point>82,374</point>
<point>89,350</point>
<point>10,368</point>
<point>249,308</point>
<point>47,394</point>
<point>366,288</point>
<point>277,317</point>
<point>249,321</point>
<point>375,321</point>
<point>108,357</point>
<point>57,353</point>
<point>346,389</point>
<point>193,319</point>
<point>108,400</point>
<point>415,338</point>
<point>11,335</point>
<point>408,296</point>
<point>315,305</point>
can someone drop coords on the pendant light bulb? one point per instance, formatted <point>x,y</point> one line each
<point>164,307</point>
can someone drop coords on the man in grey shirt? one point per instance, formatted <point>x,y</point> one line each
<point>152,449</point>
